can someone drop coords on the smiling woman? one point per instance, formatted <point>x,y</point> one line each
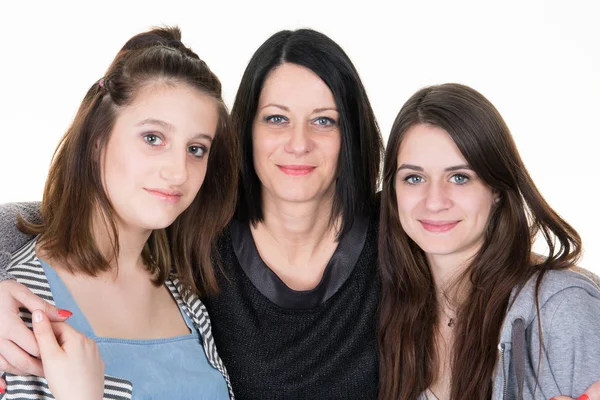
<point>166,156</point>
<point>139,188</point>
<point>468,311</point>
<point>296,136</point>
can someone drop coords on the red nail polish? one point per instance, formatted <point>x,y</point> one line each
<point>1,390</point>
<point>583,397</point>
<point>64,313</point>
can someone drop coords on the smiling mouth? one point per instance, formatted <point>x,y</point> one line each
<point>296,170</point>
<point>165,195</point>
<point>438,226</point>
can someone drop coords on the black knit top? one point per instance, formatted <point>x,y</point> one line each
<point>278,343</point>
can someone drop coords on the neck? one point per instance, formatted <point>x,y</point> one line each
<point>298,228</point>
<point>131,242</point>
<point>451,286</point>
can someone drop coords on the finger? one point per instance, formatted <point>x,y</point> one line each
<point>592,393</point>
<point>2,385</point>
<point>16,361</point>
<point>65,332</point>
<point>17,332</point>
<point>44,333</point>
<point>32,302</point>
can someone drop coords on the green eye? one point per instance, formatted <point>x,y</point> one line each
<point>153,139</point>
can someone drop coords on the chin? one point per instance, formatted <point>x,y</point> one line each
<point>430,247</point>
<point>155,223</point>
<point>298,196</point>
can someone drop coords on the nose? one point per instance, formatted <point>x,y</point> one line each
<point>174,167</point>
<point>437,197</point>
<point>298,141</point>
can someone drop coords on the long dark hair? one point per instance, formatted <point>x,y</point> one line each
<point>408,309</point>
<point>74,186</point>
<point>362,146</point>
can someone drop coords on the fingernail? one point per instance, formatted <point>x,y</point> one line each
<point>583,397</point>
<point>1,390</point>
<point>38,316</point>
<point>64,313</point>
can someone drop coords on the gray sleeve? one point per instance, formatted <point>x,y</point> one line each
<point>11,239</point>
<point>573,340</point>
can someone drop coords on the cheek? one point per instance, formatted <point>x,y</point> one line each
<point>407,199</point>
<point>196,178</point>
<point>331,148</point>
<point>477,204</point>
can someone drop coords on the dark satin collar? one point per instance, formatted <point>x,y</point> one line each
<point>338,269</point>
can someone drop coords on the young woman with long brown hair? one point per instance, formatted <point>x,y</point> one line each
<point>468,311</point>
<point>139,188</point>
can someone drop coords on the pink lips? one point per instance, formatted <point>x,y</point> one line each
<point>168,196</point>
<point>296,170</point>
<point>438,226</point>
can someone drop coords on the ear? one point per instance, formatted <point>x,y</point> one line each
<point>497,197</point>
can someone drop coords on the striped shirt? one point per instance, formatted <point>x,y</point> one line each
<point>26,269</point>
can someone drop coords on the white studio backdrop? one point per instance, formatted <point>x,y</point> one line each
<point>537,61</point>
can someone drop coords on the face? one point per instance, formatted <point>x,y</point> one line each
<point>442,204</point>
<point>296,136</point>
<point>156,157</point>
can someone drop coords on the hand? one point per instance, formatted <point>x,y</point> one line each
<point>72,362</point>
<point>592,393</point>
<point>17,342</point>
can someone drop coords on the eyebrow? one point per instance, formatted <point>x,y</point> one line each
<point>284,108</point>
<point>153,121</point>
<point>168,126</point>
<point>449,169</point>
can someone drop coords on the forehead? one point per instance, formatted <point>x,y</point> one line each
<point>429,145</point>
<point>178,104</point>
<point>294,85</point>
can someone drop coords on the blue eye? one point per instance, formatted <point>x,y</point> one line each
<point>275,119</point>
<point>325,121</point>
<point>459,179</point>
<point>413,179</point>
<point>197,151</point>
<point>152,139</point>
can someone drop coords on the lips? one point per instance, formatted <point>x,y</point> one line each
<point>438,226</point>
<point>296,170</point>
<point>168,196</point>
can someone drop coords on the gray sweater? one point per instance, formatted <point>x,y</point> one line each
<point>569,305</point>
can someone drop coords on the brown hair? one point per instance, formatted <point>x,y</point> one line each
<point>408,310</point>
<point>74,189</point>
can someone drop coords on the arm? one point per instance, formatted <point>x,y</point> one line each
<point>11,239</point>
<point>572,339</point>
<point>17,343</point>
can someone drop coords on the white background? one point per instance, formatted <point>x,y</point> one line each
<point>537,61</point>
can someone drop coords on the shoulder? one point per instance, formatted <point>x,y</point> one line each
<point>565,287</point>
<point>23,256</point>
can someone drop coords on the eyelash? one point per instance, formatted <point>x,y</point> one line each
<point>407,179</point>
<point>270,119</point>
<point>466,178</point>
<point>203,148</point>
<point>152,135</point>
<point>190,148</point>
